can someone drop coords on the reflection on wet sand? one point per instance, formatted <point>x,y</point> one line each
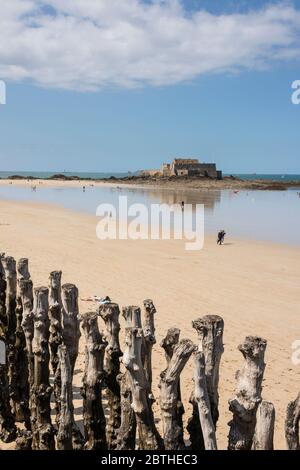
<point>208,198</point>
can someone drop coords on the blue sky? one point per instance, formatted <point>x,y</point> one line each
<point>147,110</point>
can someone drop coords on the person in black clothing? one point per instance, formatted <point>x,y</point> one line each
<point>221,236</point>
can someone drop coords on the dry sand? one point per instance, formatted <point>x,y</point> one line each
<point>253,286</point>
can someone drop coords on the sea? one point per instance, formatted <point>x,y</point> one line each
<point>99,175</point>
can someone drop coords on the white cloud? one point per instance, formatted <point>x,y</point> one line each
<point>92,44</point>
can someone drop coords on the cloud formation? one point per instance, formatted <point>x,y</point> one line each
<point>87,45</point>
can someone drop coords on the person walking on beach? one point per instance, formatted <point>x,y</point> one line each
<point>182,205</point>
<point>221,236</point>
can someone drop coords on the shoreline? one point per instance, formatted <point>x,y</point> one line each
<point>252,285</point>
<point>173,183</point>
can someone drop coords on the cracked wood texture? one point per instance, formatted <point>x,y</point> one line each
<point>149,438</point>
<point>264,430</point>
<point>202,399</point>
<point>109,313</point>
<point>93,413</point>
<point>248,394</point>
<point>55,338</point>
<point>209,329</point>
<point>292,424</point>
<point>169,378</point>
<point>43,432</point>
<point>65,429</point>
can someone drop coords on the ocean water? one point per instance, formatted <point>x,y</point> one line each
<point>48,174</point>
<point>256,215</point>
<point>98,175</point>
<point>277,177</point>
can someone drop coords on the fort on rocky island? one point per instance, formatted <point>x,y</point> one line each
<point>186,167</point>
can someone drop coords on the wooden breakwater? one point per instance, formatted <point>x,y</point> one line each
<point>39,333</point>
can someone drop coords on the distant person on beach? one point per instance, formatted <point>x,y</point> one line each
<point>221,236</point>
<point>83,188</point>
<point>182,205</point>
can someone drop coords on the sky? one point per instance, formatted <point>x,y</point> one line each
<point>118,85</point>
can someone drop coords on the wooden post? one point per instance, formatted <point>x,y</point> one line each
<point>70,337</point>
<point>127,431</point>
<point>292,424</point>
<point>172,433</point>
<point>168,344</point>
<point>26,294</point>
<point>93,414</point>
<point>3,316</point>
<point>203,402</point>
<point>248,394</point>
<point>55,305</point>
<point>70,322</point>
<point>210,335</point>
<point>110,314</point>
<point>264,430</point>
<point>8,429</point>
<point>132,316</point>
<point>149,341</point>
<point>22,412</point>
<point>210,330</point>
<point>64,436</point>
<point>43,432</point>
<point>22,269</point>
<point>55,338</point>
<point>9,266</point>
<point>149,438</point>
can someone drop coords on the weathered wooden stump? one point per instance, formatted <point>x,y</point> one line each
<point>110,312</point>
<point>127,431</point>
<point>132,359</point>
<point>3,316</point>
<point>149,341</point>
<point>70,322</point>
<point>169,378</point>
<point>264,430</point>
<point>132,316</point>
<point>55,306</point>
<point>292,424</point>
<point>22,411</point>
<point>8,429</point>
<point>22,269</point>
<point>202,399</point>
<point>93,414</point>
<point>65,429</point>
<point>248,394</point>
<point>55,338</point>
<point>169,343</point>
<point>9,267</point>
<point>26,294</point>
<point>43,432</point>
<point>210,335</point>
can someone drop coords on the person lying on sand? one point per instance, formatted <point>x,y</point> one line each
<point>221,236</point>
<point>96,298</point>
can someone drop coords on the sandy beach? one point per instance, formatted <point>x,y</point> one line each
<point>254,286</point>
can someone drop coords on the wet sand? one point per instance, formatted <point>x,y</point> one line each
<point>254,286</point>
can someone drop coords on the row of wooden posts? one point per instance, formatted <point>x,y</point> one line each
<point>41,327</point>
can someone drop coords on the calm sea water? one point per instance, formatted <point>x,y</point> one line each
<point>259,215</point>
<point>95,175</point>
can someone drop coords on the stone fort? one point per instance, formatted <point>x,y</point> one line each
<point>186,167</point>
